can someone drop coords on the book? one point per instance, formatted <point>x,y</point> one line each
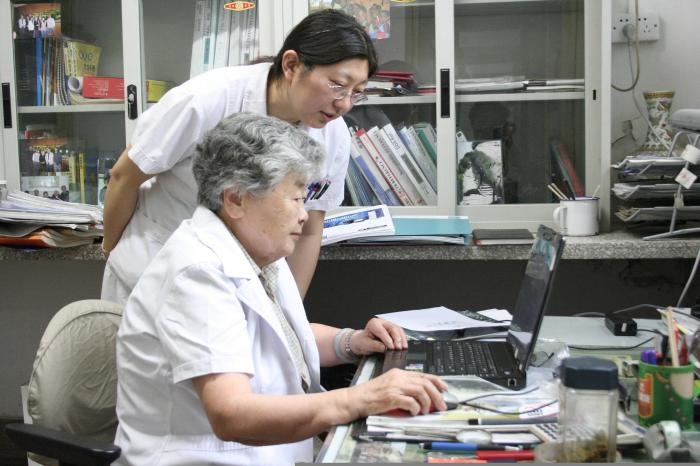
<point>197,37</point>
<point>419,154</point>
<point>396,165</point>
<point>487,236</point>
<point>371,174</point>
<point>384,168</point>
<point>223,34</point>
<point>80,58</point>
<point>409,164</point>
<point>367,221</point>
<point>428,138</point>
<point>564,167</point>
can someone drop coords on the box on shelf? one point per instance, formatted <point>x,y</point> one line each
<point>102,87</point>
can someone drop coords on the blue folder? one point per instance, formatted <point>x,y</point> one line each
<point>431,225</point>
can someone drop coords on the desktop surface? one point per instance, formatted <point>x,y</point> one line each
<point>584,335</point>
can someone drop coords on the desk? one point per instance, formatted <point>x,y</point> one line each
<point>588,334</point>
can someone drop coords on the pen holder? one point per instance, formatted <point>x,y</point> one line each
<point>666,394</point>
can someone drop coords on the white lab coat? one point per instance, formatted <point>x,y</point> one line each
<point>164,143</point>
<point>199,309</point>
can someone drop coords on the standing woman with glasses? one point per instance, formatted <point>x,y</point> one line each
<point>317,76</point>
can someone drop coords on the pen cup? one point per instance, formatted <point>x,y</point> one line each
<point>666,394</point>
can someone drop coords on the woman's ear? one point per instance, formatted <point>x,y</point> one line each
<point>233,204</point>
<point>290,63</point>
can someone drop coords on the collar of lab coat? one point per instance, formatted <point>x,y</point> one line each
<point>213,233</point>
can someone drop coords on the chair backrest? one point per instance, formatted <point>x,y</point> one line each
<point>73,386</point>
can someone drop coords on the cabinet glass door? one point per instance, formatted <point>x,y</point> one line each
<point>394,154</point>
<point>67,96</point>
<point>184,38</point>
<point>520,107</point>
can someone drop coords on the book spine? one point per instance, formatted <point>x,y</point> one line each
<point>234,44</point>
<point>412,168</point>
<point>569,170</point>
<point>39,52</point>
<point>396,165</point>
<point>383,167</point>
<point>223,33</point>
<point>248,37</point>
<point>210,36</point>
<point>82,178</point>
<point>419,155</point>
<point>197,38</point>
<point>426,141</point>
<point>379,190</point>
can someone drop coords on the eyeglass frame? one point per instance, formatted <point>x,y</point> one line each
<point>341,92</point>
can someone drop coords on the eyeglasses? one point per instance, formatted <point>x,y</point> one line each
<point>341,92</point>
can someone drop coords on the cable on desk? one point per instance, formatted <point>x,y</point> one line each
<point>611,348</point>
<point>498,411</point>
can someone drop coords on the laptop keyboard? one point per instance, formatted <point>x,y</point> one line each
<point>460,358</point>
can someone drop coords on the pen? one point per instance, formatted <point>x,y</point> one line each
<point>505,455</point>
<point>460,446</point>
<point>494,421</point>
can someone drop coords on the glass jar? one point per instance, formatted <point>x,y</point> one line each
<point>588,410</point>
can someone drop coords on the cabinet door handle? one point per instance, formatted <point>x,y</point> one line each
<point>131,102</point>
<point>445,92</point>
<point>6,106</point>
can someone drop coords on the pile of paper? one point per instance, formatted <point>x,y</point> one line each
<point>32,221</point>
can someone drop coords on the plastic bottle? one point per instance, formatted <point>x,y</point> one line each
<point>588,410</point>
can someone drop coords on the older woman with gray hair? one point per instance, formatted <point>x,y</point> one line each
<point>217,361</point>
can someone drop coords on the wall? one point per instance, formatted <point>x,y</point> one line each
<point>667,64</point>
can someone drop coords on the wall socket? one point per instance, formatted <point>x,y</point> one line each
<point>648,27</point>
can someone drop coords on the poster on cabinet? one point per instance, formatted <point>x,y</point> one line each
<point>373,15</point>
<point>37,20</point>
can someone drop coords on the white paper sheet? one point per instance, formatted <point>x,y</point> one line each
<point>433,319</point>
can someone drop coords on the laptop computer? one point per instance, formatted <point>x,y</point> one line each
<point>502,362</point>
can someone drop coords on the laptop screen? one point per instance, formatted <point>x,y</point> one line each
<point>534,292</point>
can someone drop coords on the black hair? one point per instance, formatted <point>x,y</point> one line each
<point>326,37</point>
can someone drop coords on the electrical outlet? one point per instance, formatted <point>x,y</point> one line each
<point>648,27</point>
<point>619,21</point>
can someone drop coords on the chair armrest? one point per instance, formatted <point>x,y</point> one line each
<point>66,447</point>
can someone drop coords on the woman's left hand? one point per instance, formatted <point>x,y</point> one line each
<point>378,336</point>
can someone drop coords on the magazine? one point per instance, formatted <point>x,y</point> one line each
<point>358,223</point>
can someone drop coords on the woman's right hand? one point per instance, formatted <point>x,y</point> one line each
<point>414,392</point>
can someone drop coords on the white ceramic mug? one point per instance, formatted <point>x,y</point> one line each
<point>577,217</point>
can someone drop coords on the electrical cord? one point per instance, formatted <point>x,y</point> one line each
<point>636,46</point>
<point>690,280</point>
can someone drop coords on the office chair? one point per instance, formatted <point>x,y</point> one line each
<point>73,388</point>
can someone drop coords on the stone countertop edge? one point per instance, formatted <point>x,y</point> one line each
<point>613,245</point>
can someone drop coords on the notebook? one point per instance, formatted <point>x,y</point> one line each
<point>502,362</point>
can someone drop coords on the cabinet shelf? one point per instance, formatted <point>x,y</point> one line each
<point>520,96</point>
<point>400,100</point>
<point>94,108</point>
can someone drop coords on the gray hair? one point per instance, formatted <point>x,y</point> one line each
<point>251,154</point>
